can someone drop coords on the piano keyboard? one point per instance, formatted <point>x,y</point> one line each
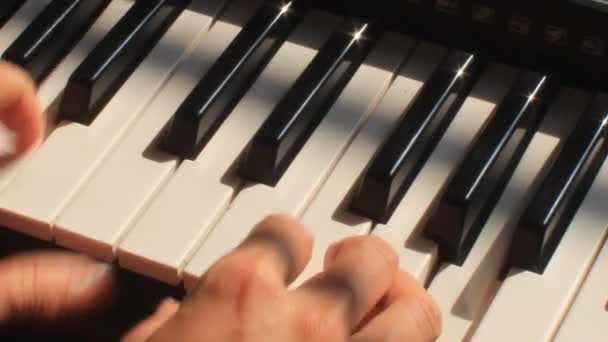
<point>172,131</point>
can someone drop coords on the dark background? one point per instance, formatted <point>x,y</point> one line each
<point>134,298</point>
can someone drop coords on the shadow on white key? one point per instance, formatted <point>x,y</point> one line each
<point>588,316</point>
<point>20,21</point>
<point>199,193</point>
<point>314,162</point>
<point>100,214</point>
<point>530,306</point>
<point>463,293</point>
<point>327,218</point>
<point>71,153</point>
<point>403,230</point>
<point>50,89</point>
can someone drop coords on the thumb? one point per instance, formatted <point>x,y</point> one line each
<point>50,285</point>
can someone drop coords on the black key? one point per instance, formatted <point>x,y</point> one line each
<point>113,60</point>
<point>552,207</point>
<point>481,178</point>
<point>8,9</point>
<point>51,36</point>
<point>214,97</point>
<point>403,154</point>
<point>295,117</point>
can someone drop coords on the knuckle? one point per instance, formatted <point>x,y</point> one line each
<point>242,280</point>
<point>370,245</point>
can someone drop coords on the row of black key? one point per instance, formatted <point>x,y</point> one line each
<point>62,23</point>
<point>467,200</point>
<point>49,38</point>
<point>473,192</point>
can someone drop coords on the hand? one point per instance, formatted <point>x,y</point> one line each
<point>44,286</point>
<point>19,111</point>
<point>360,296</point>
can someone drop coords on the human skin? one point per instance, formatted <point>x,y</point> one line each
<point>361,295</point>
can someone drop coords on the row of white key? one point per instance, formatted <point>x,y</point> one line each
<point>183,212</point>
<point>52,175</point>
<point>464,292</point>
<point>314,162</point>
<point>102,212</point>
<point>90,210</point>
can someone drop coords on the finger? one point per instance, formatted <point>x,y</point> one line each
<point>145,329</point>
<point>48,285</point>
<point>247,285</point>
<point>409,314</point>
<point>19,110</point>
<point>358,273</point>
<point>274,253</point>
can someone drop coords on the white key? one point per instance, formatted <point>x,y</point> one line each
<point>20,21</point>
<point>199,192</point>
<point>528,306</point>
<point>588,317</point>
<point>464,293</point>
<point>327,218</point>
<point>71,153</point>
<point>402,231</point>
<point>102,211</point>
<point>314,162</point>
<point>53,85</point>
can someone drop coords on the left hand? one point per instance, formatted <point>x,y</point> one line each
<point>40,285</point>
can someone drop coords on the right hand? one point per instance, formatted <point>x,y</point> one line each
<point>360,296</point>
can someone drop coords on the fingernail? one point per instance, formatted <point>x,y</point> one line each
<point>94,276</point>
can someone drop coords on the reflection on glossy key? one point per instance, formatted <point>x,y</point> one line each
<point>221,88</point>
<point>19,21</point>
<point>473,192</point>
<point>553,206</point>
<point>51,36</point>
<point>397,163</point>
<point>8,8</point>
<point>115,58</point>
<point>293,120</point>
<point>531,306</point>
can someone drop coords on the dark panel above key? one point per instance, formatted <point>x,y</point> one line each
<point>482,176</point>
<point>299,112</point>
<point>51,36</point>
<point>8,8</point>
<point>115,58</point>
<point>400,158</point>
<point>552,207</point>
<point>229,78</point>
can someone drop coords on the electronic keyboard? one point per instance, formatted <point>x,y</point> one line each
<point>470,135</point>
